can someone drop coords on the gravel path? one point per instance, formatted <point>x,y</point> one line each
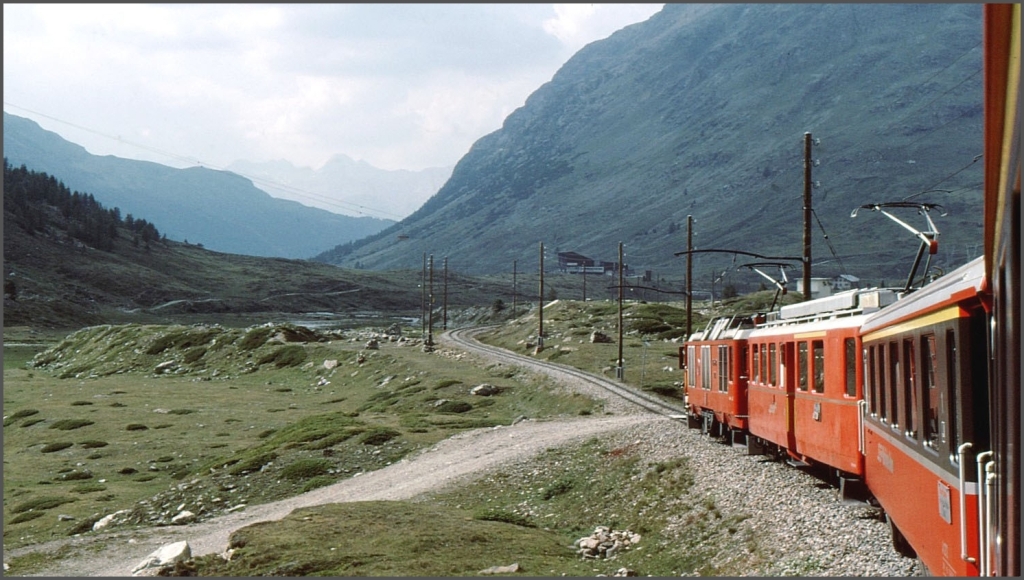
<point>782,503</point>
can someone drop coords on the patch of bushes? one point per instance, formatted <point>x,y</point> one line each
<point>255,338</point>
<point>54,447</point>
<point>253,463</point>
<point>291,355</point>
<point>25,517</point>
<point>318,481</point>
<point>69,424</point>
<point>378,436</point>
<point>501,515</point>
<point>118,405</point>
<point>93,444</point>
<point>41,503</point>
<point>454,407</point>
<point>136,427</point>
<point>88,488</point>
<point>145,478</point>
<point>84,525</point>
<point>163,342</point>
<point>306,468</point>
<point>31,422</point>
<point>128,470</point>
<point>73,475</point>
<point>181,411</point>
<point>194,354</point>
<point>80,403</point>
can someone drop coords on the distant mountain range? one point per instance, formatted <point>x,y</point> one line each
<point>701,111</point>
<point>218,209</point>
<point>346,186</point>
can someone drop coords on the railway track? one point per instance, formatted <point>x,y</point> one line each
<point>465,338</point>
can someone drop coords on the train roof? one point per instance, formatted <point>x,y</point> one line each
<point>970,276</point>
<point>848,303</point>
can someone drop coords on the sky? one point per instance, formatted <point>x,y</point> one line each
<point>399,86</point>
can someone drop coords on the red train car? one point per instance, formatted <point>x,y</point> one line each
<point>925,393</point>
<point>805,380</point>
<point>716,376</point>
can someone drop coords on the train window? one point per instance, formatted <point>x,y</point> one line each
<point>910,388</point>
<point>851,367</point>
<point>705,368</point>
<point>723,368</point>
<point>801,365</point>
<point>869,374</point>
<point>893,382</point>
<point>691,364</point>
<point>764,364</point>
<point>883,397</point>
<point>952,377</point>
<point>755,365</point>
<point>818,349</point>
<point>773,366</point>
<point>929,362</point>
<point>728,367</point>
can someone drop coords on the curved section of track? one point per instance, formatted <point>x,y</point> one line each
<point>464,338</point>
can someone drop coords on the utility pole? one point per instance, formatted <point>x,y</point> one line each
<point>513,288</point>
<point>584,282</point>
<point>430,306</point>
<point>423,298</point>
<point>540,310</point>
<point>445,319</point>
<point>689,276</point>
<point>618,368</point>
<point>807,216</point>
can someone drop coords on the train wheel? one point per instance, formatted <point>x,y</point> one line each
<point>899,541</point>
<point>693,421</point>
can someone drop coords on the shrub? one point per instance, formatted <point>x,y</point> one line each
<point>195,354</point>
<point>24,413</point>
<point>501,515</point>
<point>88,488</point>
<point>41,503</point>
<point>255,338</point>
<point>69,424</point>
<point>127,470</point>
<point>54,447</point>
<point>253,463</point>
<point>136,427</point>
<point>291,355</point>
<point>454,407</point>
<point>318,481</point>
<point>93,444</point>
<point>31,422</point>
<point>74,475</point>
<point>80,403</point>
<point>27,516</point>
<point>306,468</point>
<point>181,411</point>
<point>378,436</point>
<point>446,383</point>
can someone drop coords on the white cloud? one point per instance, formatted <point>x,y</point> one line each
<point>401,86</point>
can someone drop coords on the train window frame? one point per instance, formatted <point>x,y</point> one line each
<point>883,394</point>
<point>932,421</point>
<point>723,368</point>
<point>801,365</point>
<point>764,364</point>
<point>755,366</point>
<point>893,382</point>
<point>871,392</point>
<point>850,352</point>
<point>705,367</point>
<point>910,386</point>
<point>818,365</point>
<point>773,365</point>
<point>952,385</point>
<point>691,366</point>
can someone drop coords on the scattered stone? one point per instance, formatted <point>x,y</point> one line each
<point>183,517</point>
<point>64,518</point>
<point>372,344</point>
<point>510,569</point>
<point>164,411</point>
<point>605,543</point>
<point>598,337</point>
<point>484,390</point>
<point>164,367</point>
<point>106,520</point>
<point>164,557</point>
<point>330,364</point>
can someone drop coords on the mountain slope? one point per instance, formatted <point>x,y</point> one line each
<point>701,111</point>
<point>218,209</point>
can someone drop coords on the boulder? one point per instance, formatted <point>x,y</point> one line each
<point>166,556</point>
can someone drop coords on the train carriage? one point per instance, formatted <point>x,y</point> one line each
<point>924,402</point>
<point>716,375</point>
<point>804,383</point>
